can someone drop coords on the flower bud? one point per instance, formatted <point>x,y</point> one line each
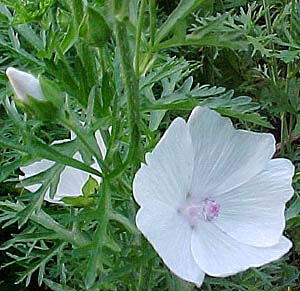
<point>24,85</point>
<point>41,97</point>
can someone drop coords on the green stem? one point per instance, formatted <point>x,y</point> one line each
<point>145,269</point>
<point>148,62</point>
<point>116,125</point>
<point>152,12</point>
<point>124,221</point>
<point>138,37</point>
<point>130,83</point>
<point>274,72</point>
<point>274,69</point>
<point>148,59</point>
<point>141,278</point>
<point>285,138</point>
<point>94,263</point>
<point>222,6</point>
<point>289,75</point>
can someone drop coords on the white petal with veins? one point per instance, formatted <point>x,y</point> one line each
<point>170,236</point>
<point>253,213</point>
<point>218,254</point>
<point>225,157</point>
<point>167,175</point>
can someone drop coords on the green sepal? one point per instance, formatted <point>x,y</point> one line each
<point>52,92</point>
<point>90,187</point>
<point>48,109</point>
<point>79,201</point>
<point>42,110</point>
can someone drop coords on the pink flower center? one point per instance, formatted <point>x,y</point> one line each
<point>210,209</point>
<point>194,210</point>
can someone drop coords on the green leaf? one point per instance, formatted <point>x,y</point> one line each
<point>249,117</point>
<point>20,53</point>
<point>69,39</point>
<point>294,210</point>
<point>9,168</point>
<point>78,7</point>
<point>48,255</point>
<point>41,150</point>
<point>94,29</point>
<point>29,34</point>
<point>288,56</point>
<point>28,237</point>
<point>56,287</point>
<point>184,8</point>
<point>217,31</point>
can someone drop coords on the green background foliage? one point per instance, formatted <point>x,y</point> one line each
<point>133,66</point>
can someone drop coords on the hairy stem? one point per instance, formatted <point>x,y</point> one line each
<point>152,12</point>
<point>274,69</point>
<point>130,83</point>
<point>138,37</point>
<point>94,263</point>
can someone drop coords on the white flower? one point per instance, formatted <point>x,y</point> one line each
<point>24,85</point>
<point>212,200</point>
<point>71,179</point>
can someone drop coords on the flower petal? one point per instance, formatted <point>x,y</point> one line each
<point>217,254</point>
<point>57,199</point>
<point>71,179</point>
<point>167,175</point>
<point>253,213</point>
<point>100,143</point>
<point>35,168</point>
<point>170,235</point>
<point>62,140</point>
<point>225,157</point>
<point>71,182</point>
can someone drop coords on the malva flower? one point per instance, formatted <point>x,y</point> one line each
<point>212,199</point>
<point>71,180</point>
<point>24,85</point>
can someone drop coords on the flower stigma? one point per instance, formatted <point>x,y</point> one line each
<point>194,210</point>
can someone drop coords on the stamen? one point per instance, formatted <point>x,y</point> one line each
<point>195,210</point>
<point>210,209</point>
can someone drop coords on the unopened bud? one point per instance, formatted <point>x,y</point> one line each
<point>24,85</point>
<point>41,97</point>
